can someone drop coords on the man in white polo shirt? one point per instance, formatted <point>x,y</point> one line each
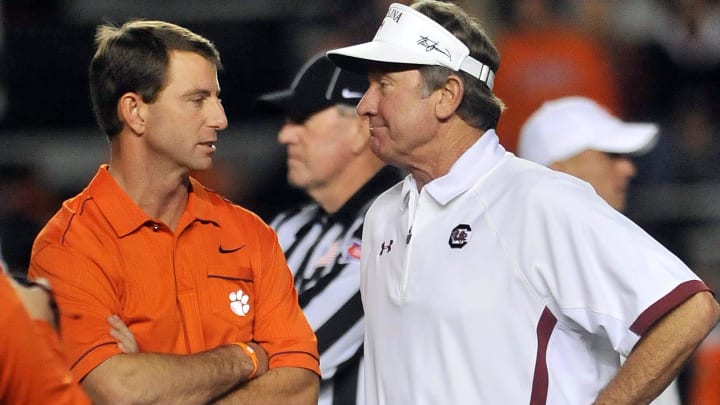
<point>577,136</point>
<point>489,279</point>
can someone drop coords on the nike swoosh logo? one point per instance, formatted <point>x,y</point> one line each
<point>347,93</point>
<point>223,250</point>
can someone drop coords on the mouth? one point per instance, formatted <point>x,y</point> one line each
<point>376,126</point>
<point>209,144</point>
<point>292,160</point>
<point>293,153</point>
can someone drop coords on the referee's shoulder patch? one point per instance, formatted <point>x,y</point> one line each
<point>354,250</point>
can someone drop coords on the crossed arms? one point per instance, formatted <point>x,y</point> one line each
<point>218,375</point>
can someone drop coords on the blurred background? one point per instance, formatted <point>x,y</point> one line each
<point>645,60</point>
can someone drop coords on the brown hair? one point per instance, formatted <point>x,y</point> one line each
<point>479,108</point>
<point>135,58</point>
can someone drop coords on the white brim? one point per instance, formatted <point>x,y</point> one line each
<point>628,138</point>
<point>409,37</point>
<point>358,58</point>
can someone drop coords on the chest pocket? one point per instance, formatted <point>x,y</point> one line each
<point>232,295</point>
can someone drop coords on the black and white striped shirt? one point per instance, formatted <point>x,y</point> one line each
<point>323,252</point>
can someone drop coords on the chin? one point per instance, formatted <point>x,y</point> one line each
<point>201,166</point>
<point>295,182</point>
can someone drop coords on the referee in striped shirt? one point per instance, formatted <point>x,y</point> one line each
<point>329,157</point>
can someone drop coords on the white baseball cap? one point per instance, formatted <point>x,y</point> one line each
<point>562,128</point>
<point>407,36</point>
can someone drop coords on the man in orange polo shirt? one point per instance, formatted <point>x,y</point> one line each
<point>202,284</point>
<point>33,367</point>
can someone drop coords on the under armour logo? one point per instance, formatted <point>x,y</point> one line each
<point>386,247</point>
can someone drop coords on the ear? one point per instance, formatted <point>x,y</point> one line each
<point>451,95</point>
<point>131,111</point>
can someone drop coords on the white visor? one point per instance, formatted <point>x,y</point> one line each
<point>407,36</point>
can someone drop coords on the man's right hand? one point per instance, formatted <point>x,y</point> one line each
<point>120,331</point>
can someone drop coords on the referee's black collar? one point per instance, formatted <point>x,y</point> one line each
<point>387,177</point>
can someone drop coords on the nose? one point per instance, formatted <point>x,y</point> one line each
<point>218,118</point>
<point>368,103</point>
<point>289,133</point>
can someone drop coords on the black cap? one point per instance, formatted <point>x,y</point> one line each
<point>318,85</point>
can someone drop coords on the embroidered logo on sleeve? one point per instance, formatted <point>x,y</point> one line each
<point>351,254</point>
<point>239,303</point>
<point>354,250</point>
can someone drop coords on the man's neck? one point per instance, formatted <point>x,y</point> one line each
<point>437,157</point>
<point>162,195</point>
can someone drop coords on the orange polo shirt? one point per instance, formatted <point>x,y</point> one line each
<point>221,277</point>
<point>32,367</point>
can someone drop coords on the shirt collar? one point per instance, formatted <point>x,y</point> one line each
<point>125,216</point>
<point>201,205</point>
<point>473,164</point>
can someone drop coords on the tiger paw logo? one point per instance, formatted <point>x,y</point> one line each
<point>239,303</point>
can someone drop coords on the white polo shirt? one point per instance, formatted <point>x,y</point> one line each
<point>518,285</point>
